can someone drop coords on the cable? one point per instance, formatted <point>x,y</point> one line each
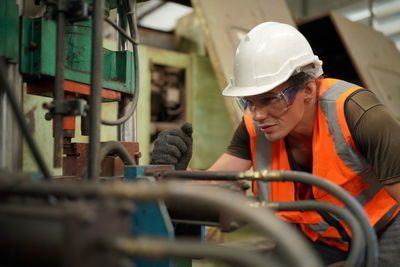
<point>357,248</point>
<point>352,204</point>
<point>161,249</point>
<point>119,149</point>
<point>5,86</point>
<point>294,176</point>
<point>133,29</point>
<point>113,147</point>
<point>288,238</point>
<point>121,31</point>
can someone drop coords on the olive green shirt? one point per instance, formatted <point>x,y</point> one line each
<point>375,132</point>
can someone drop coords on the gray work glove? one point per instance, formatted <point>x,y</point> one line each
<point>174,147</point>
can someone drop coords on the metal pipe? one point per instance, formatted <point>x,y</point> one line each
<point>196,175</point>
<point>161,249</point>
<point>59,85</point>
<point>5,86</point>
<point>59,189</point>
<point>119,149</point>
<point>357,248</point>
<point>133,39</point>
<point>289,239</point>
<point>294,176</point>
<point>95,92</point>
<point>15,161</point>
<point>3,131</point>
<point>10,135</point>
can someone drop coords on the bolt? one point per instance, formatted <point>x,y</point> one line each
<point>48,116</point>
<point>33,45</point>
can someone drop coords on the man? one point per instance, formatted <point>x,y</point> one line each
<point>298,120</point>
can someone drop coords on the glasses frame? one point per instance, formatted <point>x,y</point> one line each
<point>288,95</point>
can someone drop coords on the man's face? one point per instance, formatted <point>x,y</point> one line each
<point>277,112</point>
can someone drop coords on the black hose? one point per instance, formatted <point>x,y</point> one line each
<point>289,239</point>
<point>161,249</point>
<point>294,176</point>
<point>357,248</point>
<point>95,91</point>
<point>351,203</point>
<point>59,85</point>
<point>119,149</point>
<point>132,17</point>
<point>135,54</point>
<point>58,189</point>
<point>5,86</point>
<point>121,31</point>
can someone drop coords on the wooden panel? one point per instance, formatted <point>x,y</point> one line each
<point>375,58</point>
<point>224,22</point>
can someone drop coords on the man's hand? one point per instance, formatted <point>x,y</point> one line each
<point>174,146</point>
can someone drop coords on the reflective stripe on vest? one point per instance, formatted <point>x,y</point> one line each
<point>352,158</point>
<point>331,102</point>
<point>332,239</point>
<point>319,227</point>
<point>263,162</point>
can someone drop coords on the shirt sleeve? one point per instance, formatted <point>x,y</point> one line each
<point>240,143</point>
<point>376,133</point>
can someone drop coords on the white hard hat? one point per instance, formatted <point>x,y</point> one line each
<point>267,56</point>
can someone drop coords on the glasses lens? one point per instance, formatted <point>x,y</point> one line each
<point>243,104</point>
<point>290,94</point>
<point>272,104</point>
<point>277,107</point>
<point>282,101</point>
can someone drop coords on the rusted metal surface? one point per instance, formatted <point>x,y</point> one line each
<point>45,88</point>
<point>75,161</point>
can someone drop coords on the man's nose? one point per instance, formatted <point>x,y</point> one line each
<point>258,114</point>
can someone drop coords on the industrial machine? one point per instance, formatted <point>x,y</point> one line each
<point>126,216</point>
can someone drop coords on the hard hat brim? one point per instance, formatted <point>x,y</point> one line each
<point>238,91</point>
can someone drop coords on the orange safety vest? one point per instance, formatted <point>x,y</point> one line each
<point>335,158</point>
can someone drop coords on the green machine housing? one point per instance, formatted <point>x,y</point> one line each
<point>38,46</point>
<point>9,30</point>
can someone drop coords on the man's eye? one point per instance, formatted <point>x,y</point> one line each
<point>267,100</point>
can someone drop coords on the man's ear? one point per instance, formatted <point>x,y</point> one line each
<point>310,91</point>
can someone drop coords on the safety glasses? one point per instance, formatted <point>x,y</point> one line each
<point>272,104</point>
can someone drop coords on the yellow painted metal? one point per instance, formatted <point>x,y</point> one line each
<point>205,107</point>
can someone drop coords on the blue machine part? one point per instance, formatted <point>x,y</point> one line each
<point>151,219</point>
